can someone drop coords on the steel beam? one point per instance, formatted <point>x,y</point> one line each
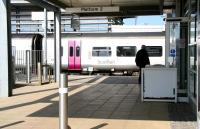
<point>58,3</point>
<point>6,67</point>
<point>44,4</point>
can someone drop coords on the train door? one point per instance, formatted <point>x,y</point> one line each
<point>74,58</point>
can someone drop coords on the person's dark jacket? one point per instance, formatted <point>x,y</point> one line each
<point>142,58</point>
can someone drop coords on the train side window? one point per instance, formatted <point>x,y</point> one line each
<point>126,51</point>
<point>154,51</point>
<point>71,51</point>
<point>101,51</point>
<point>77,51</point>
<point>61,49</point>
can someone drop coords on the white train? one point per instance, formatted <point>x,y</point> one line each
<point>100,51</point>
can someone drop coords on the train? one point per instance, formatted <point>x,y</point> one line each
<point>97,52</point>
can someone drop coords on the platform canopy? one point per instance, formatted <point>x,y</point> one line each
<point>126,7</point>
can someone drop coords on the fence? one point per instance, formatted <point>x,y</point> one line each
<point>29,66</point>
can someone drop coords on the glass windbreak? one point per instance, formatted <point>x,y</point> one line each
<point>126,51</point>
<point>174,33</point>
<point>192,57</point>
<point>193,30</point>
<point>192,50</point>
<point>192,83</point>
<point>154,51</point>
<point>101,51</point>
<point>193,6</point>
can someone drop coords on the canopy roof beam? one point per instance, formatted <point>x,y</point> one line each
<point>45,4</point>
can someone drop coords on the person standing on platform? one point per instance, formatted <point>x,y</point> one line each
<point>141,60</point>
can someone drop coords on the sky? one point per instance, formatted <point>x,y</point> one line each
<point>145,20</point>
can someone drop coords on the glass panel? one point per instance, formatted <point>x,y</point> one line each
<point>192,57</point>
<point>77,51</point>
<point>95,53</point>
<point>193,6</point>
<point>101,48</point>
<point>71,51</point>
<point>13,28</point>
<point>154,51</point>
<point>101,51</point>
<point>126,51</point>
<point>192,83</point>
<point>193,30</point>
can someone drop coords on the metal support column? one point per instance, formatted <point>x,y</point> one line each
<point>57,38</point>
<point>63,102</point>
<point>45,45</point>
<point>39,72</point>
<point>167,43</point>
<point>109,25</point>
<point>28,68</point>
<point>6,76</point>
<point>198,64</point>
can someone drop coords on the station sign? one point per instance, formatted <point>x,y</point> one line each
<point>92,9</point>
<point>173,53</point>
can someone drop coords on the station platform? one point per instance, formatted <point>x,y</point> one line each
<point>95,102</point>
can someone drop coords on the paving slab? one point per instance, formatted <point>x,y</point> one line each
<point>95,102</point>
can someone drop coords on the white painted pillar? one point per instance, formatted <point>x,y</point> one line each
<point>6,67</point>
<point>45,45</point>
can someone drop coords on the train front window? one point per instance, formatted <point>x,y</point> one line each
<point>154,51</point>
<point>126,51</point>
<point>101,51</point>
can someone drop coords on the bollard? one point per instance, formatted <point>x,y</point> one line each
<point>45,72</point>
<point>14,70</point>
<point>39,73</point>
<point>49,74</point>
<point>28,66</point>
<point>63,102</point>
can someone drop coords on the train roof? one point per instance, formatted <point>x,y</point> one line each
<point>108,34</point>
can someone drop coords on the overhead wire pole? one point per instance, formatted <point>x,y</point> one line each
<point>45,45</point>
<point>6,67</point>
